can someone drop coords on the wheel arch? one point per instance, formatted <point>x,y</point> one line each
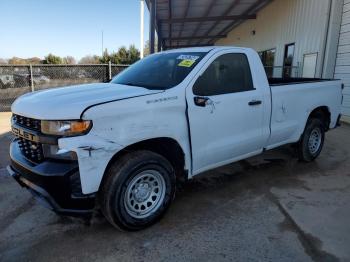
<point>167,147</point>
<point>323,113</point>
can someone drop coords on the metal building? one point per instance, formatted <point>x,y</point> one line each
<point>295,38</point>
<point>342,69</point>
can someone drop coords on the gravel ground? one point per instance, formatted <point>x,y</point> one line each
<point>266,208</point>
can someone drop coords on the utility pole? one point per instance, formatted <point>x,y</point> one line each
<point>102,43</point>
<point>141,27</point>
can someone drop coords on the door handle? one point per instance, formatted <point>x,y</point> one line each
<point>201,101</point>
<point>255,102</point>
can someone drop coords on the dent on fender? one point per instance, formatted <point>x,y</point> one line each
<point>94,153</point>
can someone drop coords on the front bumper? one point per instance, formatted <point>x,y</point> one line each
<point>56,184</point>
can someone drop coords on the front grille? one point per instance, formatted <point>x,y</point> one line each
<point>31,150</point>
<point>30,123</point>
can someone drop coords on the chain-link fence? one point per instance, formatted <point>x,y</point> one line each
<point>16,80</point>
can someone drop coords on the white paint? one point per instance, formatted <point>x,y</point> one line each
<point>232,132</point>
<point>309,65</point>
<point>69,102</point>
<point>234,129</point>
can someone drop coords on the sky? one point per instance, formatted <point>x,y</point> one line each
<point>35,28</point>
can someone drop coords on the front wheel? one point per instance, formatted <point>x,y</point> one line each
<point>311,142</point>
<point>137,190</point>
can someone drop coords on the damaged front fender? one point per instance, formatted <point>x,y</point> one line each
<point>94,154</point>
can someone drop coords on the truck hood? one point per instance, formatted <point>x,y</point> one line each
<point>69,102</point>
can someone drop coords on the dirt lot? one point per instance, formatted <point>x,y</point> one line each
<point>269,207</point>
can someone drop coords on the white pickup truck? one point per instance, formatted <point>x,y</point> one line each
<point>122,145</point>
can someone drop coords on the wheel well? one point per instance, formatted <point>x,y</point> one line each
<point>323,114</point>
<point>164,146</point>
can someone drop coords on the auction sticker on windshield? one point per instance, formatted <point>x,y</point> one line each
<point>187,60</point>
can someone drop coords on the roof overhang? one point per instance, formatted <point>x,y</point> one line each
<point>184,23</point>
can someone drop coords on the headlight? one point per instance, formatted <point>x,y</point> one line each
<point>65,128</point>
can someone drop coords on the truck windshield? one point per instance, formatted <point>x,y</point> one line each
<point>159,71</point>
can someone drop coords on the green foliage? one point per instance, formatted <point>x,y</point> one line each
<point>89,59</point>
<point>124,56</point>
<point>105,58</point>
<point>134,54</point>
<point>69,60</point>
<point>146,48</point>
<point>52,59</point>
<point>20,61</point>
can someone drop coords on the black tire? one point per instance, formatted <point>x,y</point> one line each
<point>112,194</point>
<point>305,153</point>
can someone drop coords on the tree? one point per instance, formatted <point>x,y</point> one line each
<point>17,61</point>
<point>69,60</point>
<point>24,61</point>
<point>105,57</point>
<point>125,56</point>
<point>34,60</point>
<point>146,49</point>
<point>134,54</point>
<point>52,59</point>
<point>89,59</point>
<point>122,56</point>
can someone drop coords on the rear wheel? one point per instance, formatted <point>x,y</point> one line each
<point>311,142</point>
<point>137,190</point>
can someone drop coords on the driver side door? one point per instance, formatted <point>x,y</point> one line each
<point>225,112</point>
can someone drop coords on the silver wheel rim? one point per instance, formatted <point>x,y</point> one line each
<point>315,140</point>
<point>144,194</point>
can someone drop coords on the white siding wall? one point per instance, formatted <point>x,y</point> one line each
<point>303,22</point>
<point>342,69</point>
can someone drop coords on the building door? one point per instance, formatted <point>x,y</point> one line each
<point>288,60</point>
<point>309,65</point>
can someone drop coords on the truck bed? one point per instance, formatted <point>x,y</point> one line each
<point>292,81</point>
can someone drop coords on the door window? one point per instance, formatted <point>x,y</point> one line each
<point>229,73</point>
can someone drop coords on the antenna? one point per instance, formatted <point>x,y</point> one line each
<point>102,42</point>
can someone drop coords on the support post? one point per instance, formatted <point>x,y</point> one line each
<point>159,34</point>
<point>31,78</point>
<point>152,21</point>
<point>109,70</point>
<point>141,27</point>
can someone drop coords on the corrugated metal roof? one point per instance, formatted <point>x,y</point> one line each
<point>201,22</point>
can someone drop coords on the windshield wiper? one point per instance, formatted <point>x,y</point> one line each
<point>149,87</point>
<point>129,84</point>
